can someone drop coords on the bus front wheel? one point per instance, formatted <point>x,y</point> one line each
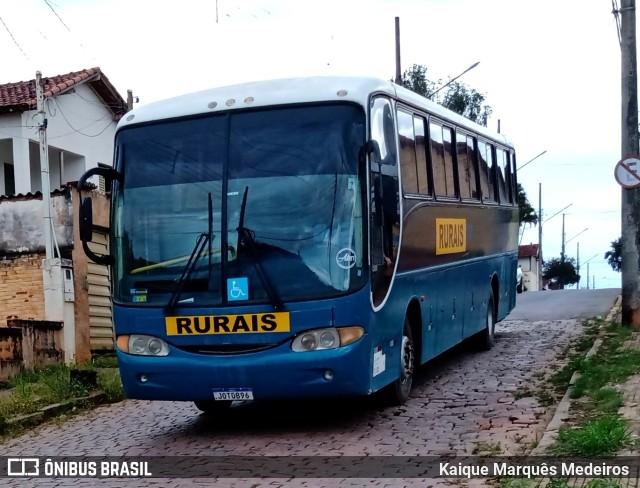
<point>398,392</point>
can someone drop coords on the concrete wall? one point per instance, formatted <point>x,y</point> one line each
<point>22,251</point>
<point>29,344</point>
<point>22,224</point>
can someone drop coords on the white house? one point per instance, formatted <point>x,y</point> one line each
<point>82,110</point>
<point>528,259</point>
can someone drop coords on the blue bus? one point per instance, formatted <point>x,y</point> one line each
<point>304,237</point>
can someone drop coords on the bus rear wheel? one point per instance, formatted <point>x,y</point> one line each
<point>398,392</point>
<point>212,406</point>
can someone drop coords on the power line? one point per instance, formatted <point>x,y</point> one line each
<point>56,14</point>
<point>13,38</point>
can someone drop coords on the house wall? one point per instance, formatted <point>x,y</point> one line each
<point>529,273</point>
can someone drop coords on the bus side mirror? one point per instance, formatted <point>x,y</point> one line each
<point>86,219</point>
<point>373,147</point>
<point>85,212</point>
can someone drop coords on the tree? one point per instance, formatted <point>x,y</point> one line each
<point>467,102</point>
<point>614,256</point>
<point>415,79</point>
<point>457,96</point>
<point>527,214</point>
<point>562,271</point>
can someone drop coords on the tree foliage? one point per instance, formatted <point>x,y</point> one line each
<point>528,215</point>
<point>563,271</point>
<point>457,97</point>
<point>614,256</point>
<point>415,79</point>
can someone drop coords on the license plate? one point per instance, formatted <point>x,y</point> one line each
<point>233,394</point>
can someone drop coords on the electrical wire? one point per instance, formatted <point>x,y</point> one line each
<point>56,14</point>
<point>13,38</point>
<point>616,14</point>
<point>79,131</point>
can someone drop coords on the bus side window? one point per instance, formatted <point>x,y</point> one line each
<point>487,171</point>
<point>413,155</point>
<point>467,166</point>
<point>421,156</point>
<point>504,177</point>
<point>513,182</point>
<point>408,162</point>
<point>442,160</point>
<point>384,223</point>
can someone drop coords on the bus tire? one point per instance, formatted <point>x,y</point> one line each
<point>399,391</point>
<point>487,338</point>
<point>212,406</point>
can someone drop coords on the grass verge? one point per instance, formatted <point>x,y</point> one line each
<point>32,396</point>
<point>598,429</point>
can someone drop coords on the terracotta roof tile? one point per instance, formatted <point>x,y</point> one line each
<point>528,251</point>
<point>21,96</point>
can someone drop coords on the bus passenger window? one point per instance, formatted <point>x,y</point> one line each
<point>467,166</point>
<point>487,171</point>
<point>503,177</point>
<point>421,156</point>
<point>512,178</point>
<point>442,160</point>
<point>407,153</point>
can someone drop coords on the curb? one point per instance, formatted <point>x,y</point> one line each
<point>562,411</point>
<point>50,411</point>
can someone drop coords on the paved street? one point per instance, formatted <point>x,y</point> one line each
<point>463,403</point>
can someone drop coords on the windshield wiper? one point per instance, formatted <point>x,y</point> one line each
<point>246,239</point>
<point>202,240</point>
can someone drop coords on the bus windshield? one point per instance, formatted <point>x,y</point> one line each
<point>260,206</point>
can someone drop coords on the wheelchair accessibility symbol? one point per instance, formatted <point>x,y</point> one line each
<point>237,289</point>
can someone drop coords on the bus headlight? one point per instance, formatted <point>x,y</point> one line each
<point>329,338</point>
<point>142,345</point>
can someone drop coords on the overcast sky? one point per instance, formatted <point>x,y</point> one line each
<point>550,70</point>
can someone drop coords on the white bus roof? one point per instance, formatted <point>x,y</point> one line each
<point>293,91</point>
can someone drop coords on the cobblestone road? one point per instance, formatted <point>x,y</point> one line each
<point>463,403</point>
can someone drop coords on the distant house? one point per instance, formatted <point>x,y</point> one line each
<point>528,258</point>
<point>82,110</point>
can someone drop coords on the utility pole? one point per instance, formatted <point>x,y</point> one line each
<point>563,235</point>
<point>44,168</point>
<point>630,201</point>
<point>398,64</point>
<point>539,236</point>
<point>578,265</point>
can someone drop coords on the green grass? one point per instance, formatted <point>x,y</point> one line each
<point>600,431</point>
<point>556,483</point>
<point>600,437</point>
<point>32,390</point>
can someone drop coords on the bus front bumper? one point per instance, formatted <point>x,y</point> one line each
<point>276,373</point>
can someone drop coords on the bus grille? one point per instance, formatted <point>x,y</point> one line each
<point>226,348</point>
